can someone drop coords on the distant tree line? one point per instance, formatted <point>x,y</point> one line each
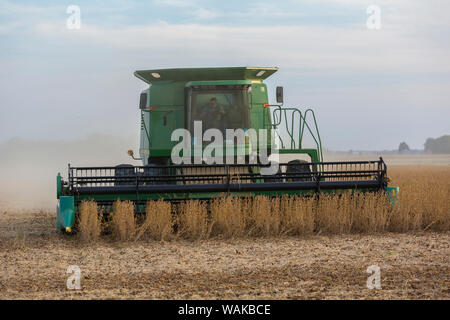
<point>403,147</point>
<point>439,145</point>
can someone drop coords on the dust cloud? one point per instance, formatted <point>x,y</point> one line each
<point>28,168</point>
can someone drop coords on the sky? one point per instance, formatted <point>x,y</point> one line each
<point>370,88</point>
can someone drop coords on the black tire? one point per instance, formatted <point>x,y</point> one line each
<point>154,170</point>
<point>124,170</point>
<point>299,166</point>
<point>277,177</point>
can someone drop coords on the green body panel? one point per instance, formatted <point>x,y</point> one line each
<point>165,110</point>
<point>311,152</point>
<point>58,186</point>
<point>65,212</point>
<point>167,94</point>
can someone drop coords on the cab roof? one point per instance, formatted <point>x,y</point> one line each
<point>205,74</point>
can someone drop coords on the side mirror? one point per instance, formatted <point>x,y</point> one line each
<point>143,101</point>
<point>280,95</point>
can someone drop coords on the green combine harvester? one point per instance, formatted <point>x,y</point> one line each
<point>227,100</point>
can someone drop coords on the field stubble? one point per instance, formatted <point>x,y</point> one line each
<point>289,249</point>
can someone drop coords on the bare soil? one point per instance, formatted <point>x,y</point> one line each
<point>34,260</point>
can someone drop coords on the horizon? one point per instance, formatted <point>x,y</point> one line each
<point>134,141</point>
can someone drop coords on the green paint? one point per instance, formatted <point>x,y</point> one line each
<point>58,185</point>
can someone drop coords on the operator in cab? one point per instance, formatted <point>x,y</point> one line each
<point>212,115</point>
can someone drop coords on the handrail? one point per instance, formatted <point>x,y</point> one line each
<point>274,125</point>
<point>291,129</point>
<point>317,131</point>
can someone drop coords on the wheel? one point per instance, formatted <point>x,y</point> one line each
<point>153,170</point>
<point>124,170</point>
<point>277,177</point>
<point>297,167</point>
<point>151,173</point>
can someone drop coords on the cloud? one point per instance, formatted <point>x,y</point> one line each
<point>203,13</point>
<point>407,43</point>
<point>175,3</point>
<point>319,48</point>
<point>16,17</point>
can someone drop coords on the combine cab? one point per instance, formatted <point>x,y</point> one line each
<point>201,139</point>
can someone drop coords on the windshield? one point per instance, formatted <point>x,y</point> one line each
<point>220,107</point>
